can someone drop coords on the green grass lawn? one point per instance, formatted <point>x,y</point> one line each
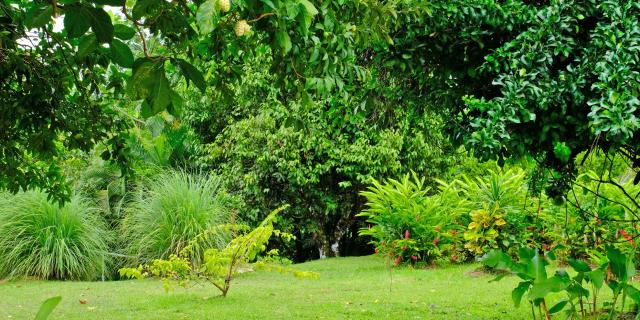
<point>348,288</point>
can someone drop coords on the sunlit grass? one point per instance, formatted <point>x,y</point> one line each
<point>357,288</point>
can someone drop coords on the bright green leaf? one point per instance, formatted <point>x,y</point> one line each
<point>47,307</point>
<point>283,41</point>
<point>558,306</point>
<point>207,15</point>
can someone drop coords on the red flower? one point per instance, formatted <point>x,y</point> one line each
<point>437,228</point>
<point>546,247</point>
<point>377,250</point>
<point>398,259</point>
<point>436,240</point>
<point>406,235</point>
<point>382,243</point>
<point>414,258</point>
<point>454,232</point>
<point>628,237</point>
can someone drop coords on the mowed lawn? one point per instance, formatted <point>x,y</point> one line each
<point>348,288</point>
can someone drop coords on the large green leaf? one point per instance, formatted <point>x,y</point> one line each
<point>596,277</point>
<point>192,74</point>
<point>101,25</point>
<point>283,41</point>
<point>76,20</point>
<point>621,265</point>
<point>309,7</point>
<point>121,53</point>
<point>38,16</point>
<point>161,94</point>
<point>123,32</point>
<point>47,307</point>
<point>144,8</point>
<point>579,266</point>
<point>558,306</point>
<point>307,14</point>
<point>207,16</point>
<point>87,44</point>
<point>142,78</point>
<point>149,82</point>
<point>518,292</point>
<point>537,267</point>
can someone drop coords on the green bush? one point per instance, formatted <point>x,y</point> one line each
<point>406,223</point>
<point>170,211</point>
<point>43,240</point>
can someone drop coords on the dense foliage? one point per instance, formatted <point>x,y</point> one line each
<point>43,240</point>
<point>170,211</point>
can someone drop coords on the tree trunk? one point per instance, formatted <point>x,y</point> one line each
<point>329,243</point>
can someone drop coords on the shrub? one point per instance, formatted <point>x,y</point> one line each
<point>501,193</point>
<point>43,240</point>
<point>170,211</point>
<point>221,265</point>
<point>406,223</point>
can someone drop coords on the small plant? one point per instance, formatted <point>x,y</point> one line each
<point>615,269</point>
<point>44,240</point>
<point>220,265</point>
<point>484,229</point>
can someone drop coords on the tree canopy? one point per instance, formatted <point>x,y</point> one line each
<point>546,79</point>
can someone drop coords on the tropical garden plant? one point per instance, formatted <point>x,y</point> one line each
<point>170,210</point>
<point>44,240</point>
<point>220,265</point>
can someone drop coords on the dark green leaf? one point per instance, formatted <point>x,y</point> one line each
<point>38,16</point>
<point>160,94</point>
<point>621,266</point>
<point>87,44</point>
<point>144,7</point>
<point>47,307</point>
<point>76,20</point>
<point>192,74</point>
<point>121,53</point>
<point>101,24</point>
<point>142,78</point>
<point>123,32</point>
<point>115,3</point>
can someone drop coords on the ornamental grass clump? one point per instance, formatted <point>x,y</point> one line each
<point>45,240</point>
<point>170,211</point>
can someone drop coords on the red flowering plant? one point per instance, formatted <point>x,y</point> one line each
<point>407,225</point>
